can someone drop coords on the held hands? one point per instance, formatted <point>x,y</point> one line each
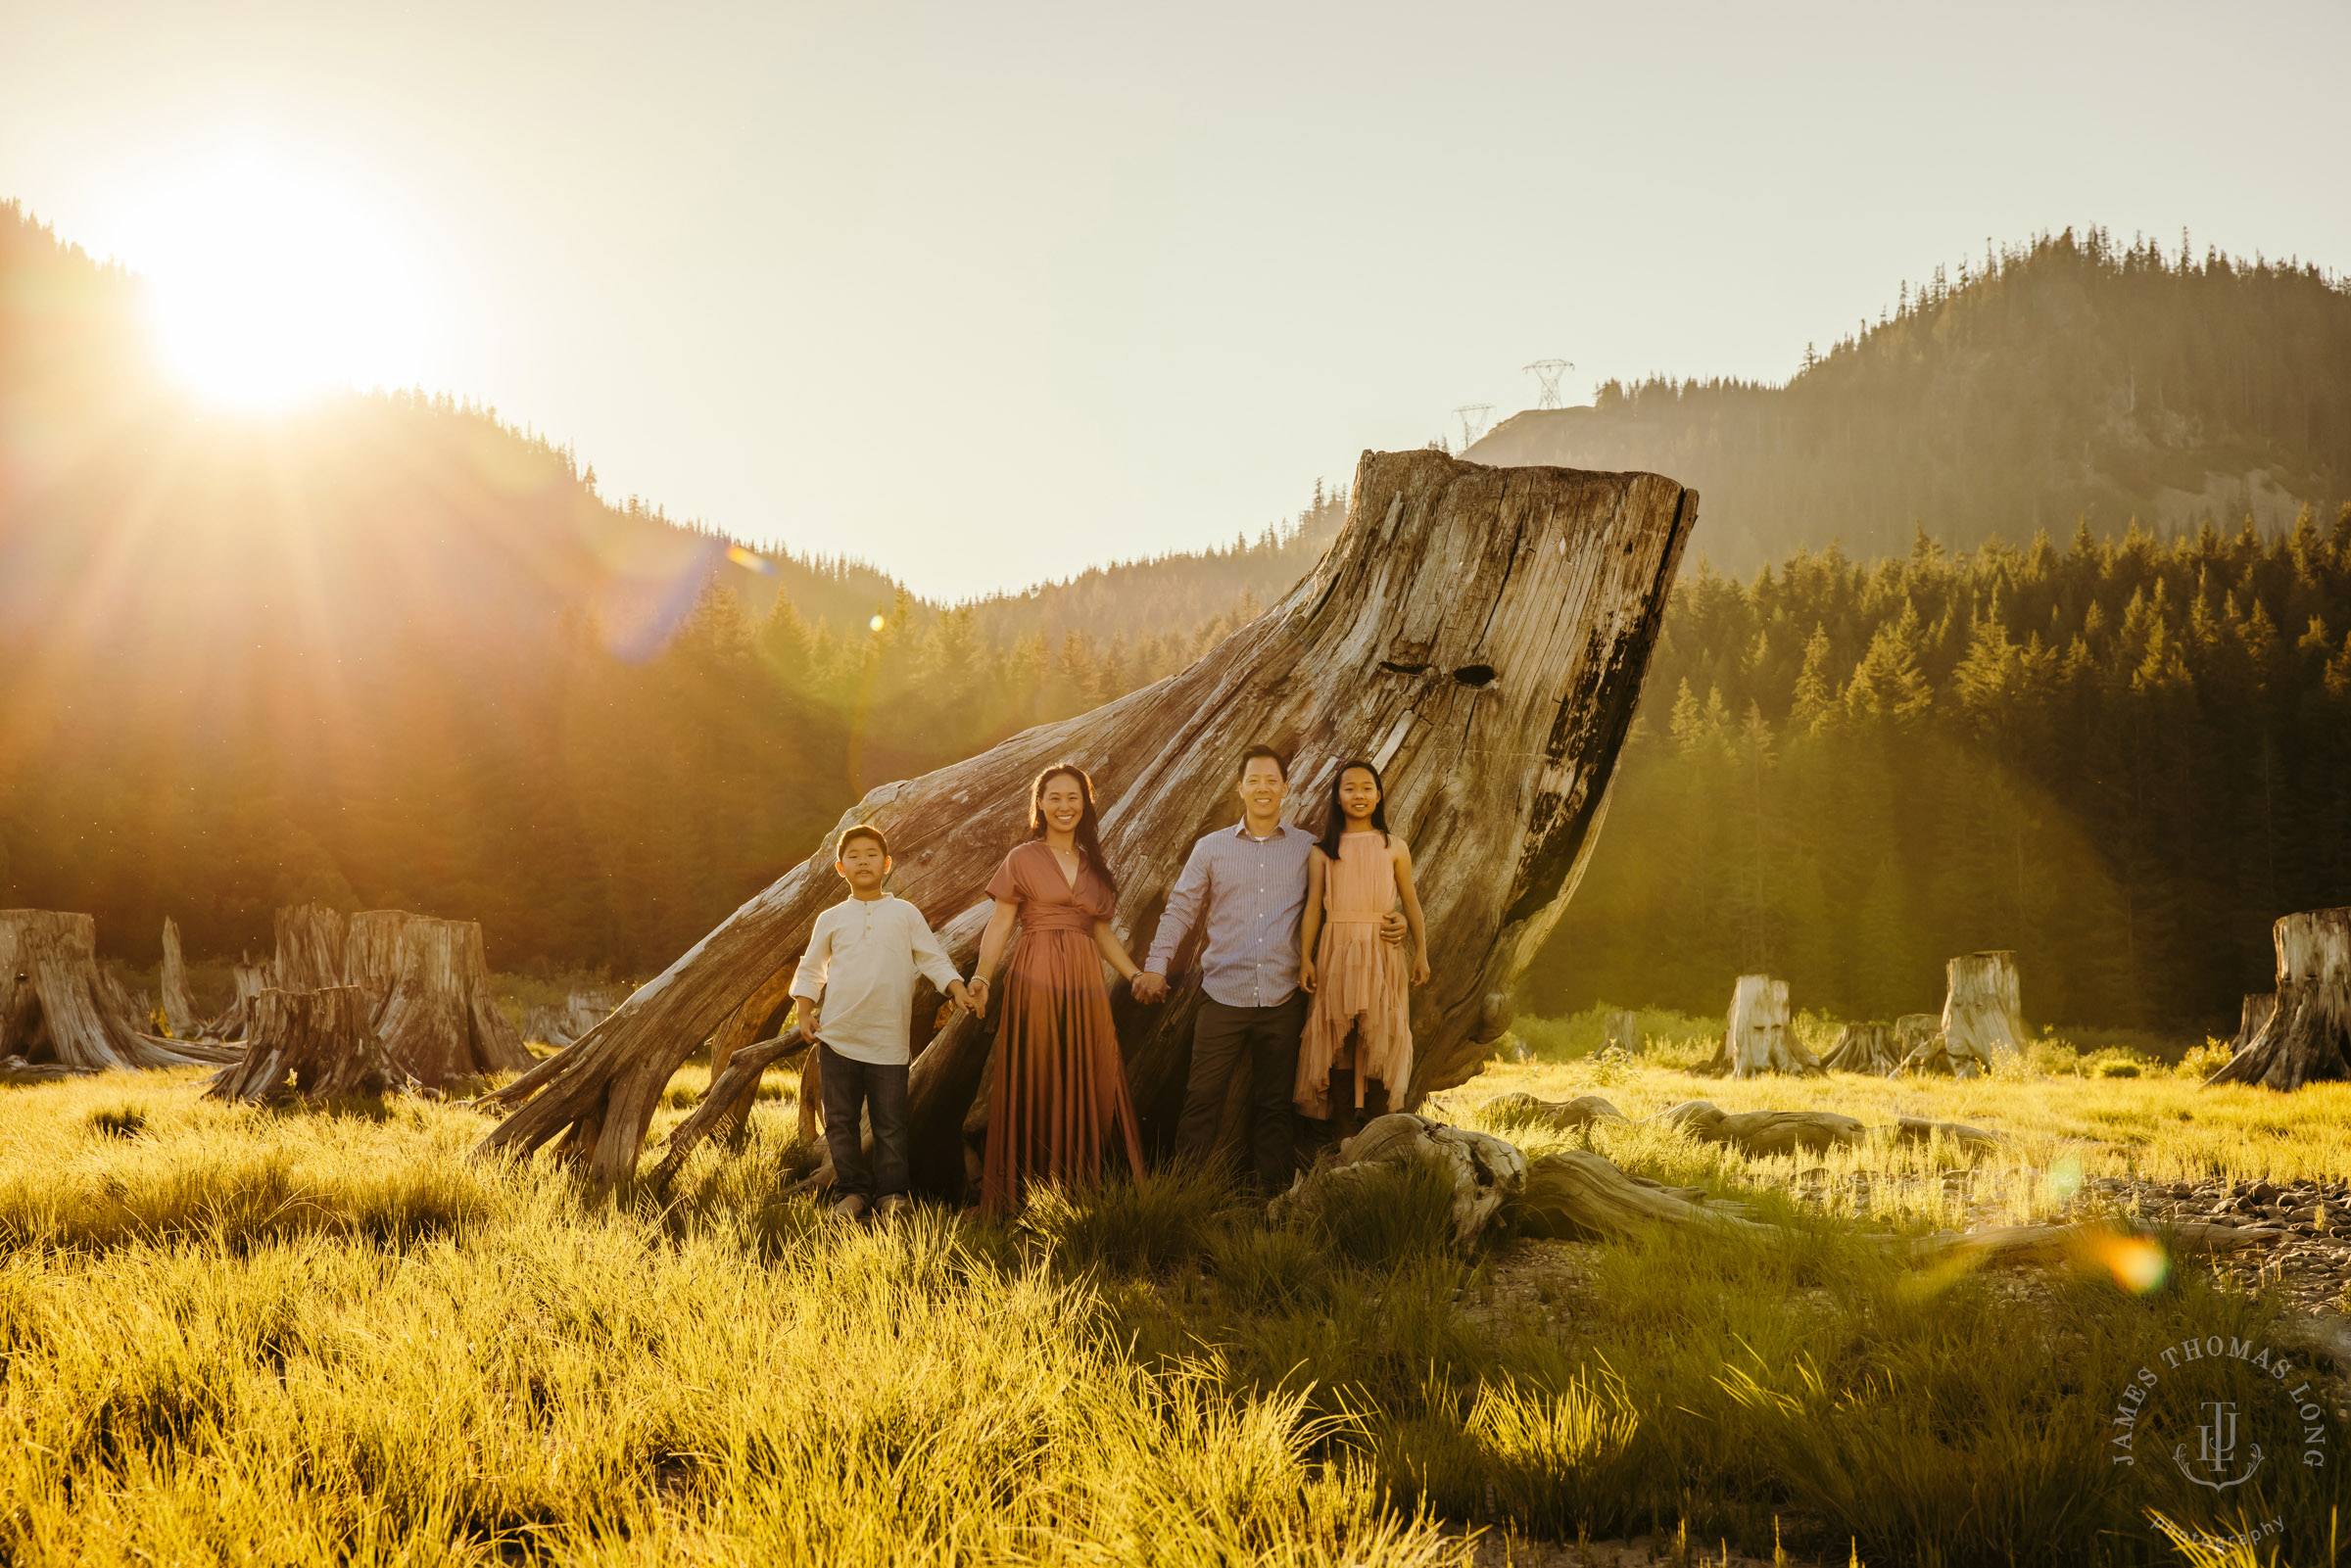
<point>1392,928</point>
<point>1150,987</point>
<point>973,997</point>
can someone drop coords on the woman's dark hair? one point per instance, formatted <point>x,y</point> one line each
<point>1334,822</point>
<point>1089,822</point>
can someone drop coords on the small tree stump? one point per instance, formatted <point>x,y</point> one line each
<point>1863,1048</point>
<point>1487,1172</point>
<point>2258,1006</point>
<point>314,1045</point>
<point>179,1008</point>
<point>249,981</point>
<point>1756,1038</point>
<point>2307,1036</point>
<point>1982,1018</point>
<point>581,1010</point>
<point>57,1006</point>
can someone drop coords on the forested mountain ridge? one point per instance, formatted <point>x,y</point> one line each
<point>2121,759</point>
<point>2065,379</point>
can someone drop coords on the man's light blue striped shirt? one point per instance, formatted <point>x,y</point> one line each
<point>1254,891</point>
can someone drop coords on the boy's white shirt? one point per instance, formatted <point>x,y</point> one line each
<point>860,966</point>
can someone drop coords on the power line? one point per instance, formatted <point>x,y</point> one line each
<point>1548,372</point>
<point>1472,416</point>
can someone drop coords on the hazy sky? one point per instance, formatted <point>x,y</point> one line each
<point>984,293</point>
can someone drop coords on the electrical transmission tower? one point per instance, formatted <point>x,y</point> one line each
<point>1549,371</point>
<point>1472,416</point>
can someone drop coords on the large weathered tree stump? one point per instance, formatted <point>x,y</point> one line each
<point>179,1008</point>
<point>1623,1034</point>
<point>428,985</point>
<point>2308,1035</point>
<point>1863,1048</point>
<point>1982,1020</point>
<point>310,949</point>
<point>57,1006</point>
<point>1757,1036</point>
<point>314,1045</point>
<point>1481,632</point>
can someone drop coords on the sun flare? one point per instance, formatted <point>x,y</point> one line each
<point>268,285</point>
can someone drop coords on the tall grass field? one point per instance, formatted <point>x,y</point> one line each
<point>243,1336</point>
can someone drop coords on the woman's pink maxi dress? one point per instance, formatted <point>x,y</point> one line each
<point>1060,1082</point>
<point>1360,982</point>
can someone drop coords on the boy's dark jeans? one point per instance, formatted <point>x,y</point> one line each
<point>854,1089</point>
<point>1268,1037</point>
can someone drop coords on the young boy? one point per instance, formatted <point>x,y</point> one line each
<point>861,962</point>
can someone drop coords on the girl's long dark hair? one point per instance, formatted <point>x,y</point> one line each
<point>1335,821</point>
<point>1089,822</point>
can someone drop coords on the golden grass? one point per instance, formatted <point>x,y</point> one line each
<point>231,1335</point>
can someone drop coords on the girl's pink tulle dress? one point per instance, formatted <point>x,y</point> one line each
<point>1360,982</point>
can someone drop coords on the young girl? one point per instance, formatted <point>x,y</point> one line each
<point>1359,1022</point>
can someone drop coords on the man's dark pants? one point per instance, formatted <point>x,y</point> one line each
<point>1267,1037</point>
<point>854,1089</point>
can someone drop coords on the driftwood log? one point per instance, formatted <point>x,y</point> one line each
<point>1487,1174</point>
<point>1481,632</point>
<point>1863,1048</point>
<point>1578,1193</point>
<point>2307,1035</point>
<point>314,1045</point>
<point>1757,1036</point>
<point>179,1008</point>
<point>1560,1115</point>
<point>1982,1020</point>
<point>1765,1133</point>
<point>56,1005</point>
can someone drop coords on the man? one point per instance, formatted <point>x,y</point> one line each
<point>1245,885</point>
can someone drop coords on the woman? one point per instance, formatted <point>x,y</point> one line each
<point>1059,1081</point>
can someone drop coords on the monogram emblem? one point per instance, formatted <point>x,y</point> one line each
<point>2215,1448</point>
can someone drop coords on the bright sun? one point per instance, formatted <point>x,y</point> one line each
<point>268,285</point>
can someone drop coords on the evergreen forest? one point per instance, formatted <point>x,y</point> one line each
<point>2121,759</point>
